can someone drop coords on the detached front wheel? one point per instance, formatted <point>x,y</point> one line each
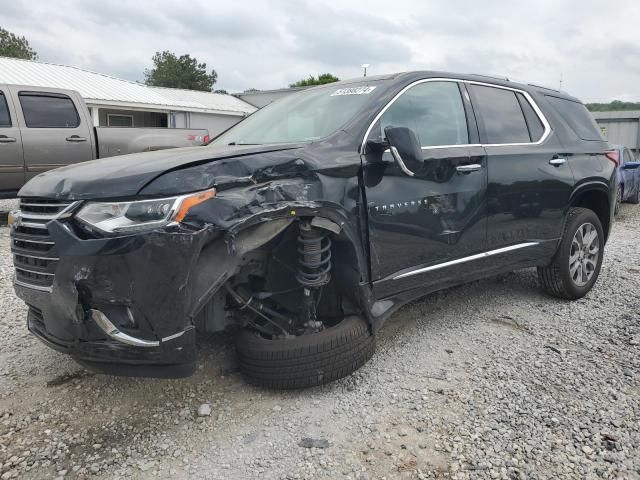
<point>306,360</point>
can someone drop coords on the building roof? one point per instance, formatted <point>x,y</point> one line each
<point>101,89</point>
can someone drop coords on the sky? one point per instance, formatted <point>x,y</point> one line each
<point>593,47</point>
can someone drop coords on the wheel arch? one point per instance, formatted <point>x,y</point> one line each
<point>226,252</point>
<point>596,197</point>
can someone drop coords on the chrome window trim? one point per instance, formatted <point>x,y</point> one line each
<point>534,105</point>
<point>457,261</point>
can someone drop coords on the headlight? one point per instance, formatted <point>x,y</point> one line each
<point>126,217</point>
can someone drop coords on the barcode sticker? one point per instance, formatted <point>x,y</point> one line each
<point>353,91</point>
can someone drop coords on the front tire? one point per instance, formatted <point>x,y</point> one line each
<point>576,265</point>
<point>307,360</point>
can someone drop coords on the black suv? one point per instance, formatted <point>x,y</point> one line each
<point>308,224</point>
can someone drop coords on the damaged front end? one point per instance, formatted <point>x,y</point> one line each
<point>125,285</point>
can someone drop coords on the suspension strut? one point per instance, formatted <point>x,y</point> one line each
<point>314,268</point>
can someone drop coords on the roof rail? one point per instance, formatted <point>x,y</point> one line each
<point>495,77</point>
<point>545,87</point>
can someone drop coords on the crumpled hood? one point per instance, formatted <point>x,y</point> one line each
<point>126,175</point>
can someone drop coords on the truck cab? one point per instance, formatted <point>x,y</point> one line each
<point>46,128</point>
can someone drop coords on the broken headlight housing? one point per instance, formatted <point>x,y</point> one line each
<point>139,215</point>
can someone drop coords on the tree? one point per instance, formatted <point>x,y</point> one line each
<point>614,106</point>
<point>179,72</point>
<point>321,80</point>
<point>14,46</point>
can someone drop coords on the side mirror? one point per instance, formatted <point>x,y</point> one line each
<point>405,149</point>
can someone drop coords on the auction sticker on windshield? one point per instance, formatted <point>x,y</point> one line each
<point>353,91</point>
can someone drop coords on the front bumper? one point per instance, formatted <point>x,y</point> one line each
<point>141,283</point>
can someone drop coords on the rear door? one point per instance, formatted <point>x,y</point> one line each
<point>421,227</point>
<point>11,158</point>
<point>530,181</point>
<point>54,132</point>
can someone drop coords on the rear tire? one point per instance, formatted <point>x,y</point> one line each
<point>307,360</point>
<point>635,199</point>
<point>618,200</point>
<point>576,265</point>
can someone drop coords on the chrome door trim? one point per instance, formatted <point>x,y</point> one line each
<point>534,105</point>
<point>470,258</point>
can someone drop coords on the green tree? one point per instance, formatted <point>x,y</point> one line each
<point>614,106</point>
<point>185,72</point>
<point>321,80</point>
<point>14,46</point>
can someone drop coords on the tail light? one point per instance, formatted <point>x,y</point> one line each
<point>206,139</point>
<point>614,156</point>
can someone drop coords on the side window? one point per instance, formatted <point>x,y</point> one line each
<point>48,110</point>
<point>433,110</point>
<point>501,114</point>
<point>577,117</point>
<point>5,118</point>
<point>536,129</point>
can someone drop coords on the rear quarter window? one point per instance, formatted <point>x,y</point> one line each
<point>576,115</point>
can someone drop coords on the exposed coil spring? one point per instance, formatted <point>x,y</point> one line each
<point>314,247</point>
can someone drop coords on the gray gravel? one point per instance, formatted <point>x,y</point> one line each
<point>488,380</point>
<point>8,205</point>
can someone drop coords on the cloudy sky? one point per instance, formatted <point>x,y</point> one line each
<point>593,45</point>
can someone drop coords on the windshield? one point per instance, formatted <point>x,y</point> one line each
<point>301,117</point>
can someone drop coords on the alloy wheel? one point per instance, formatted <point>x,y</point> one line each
<point>584,255</point>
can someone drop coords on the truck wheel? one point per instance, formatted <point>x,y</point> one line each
<point>576,265</point>
<point>307,360</point>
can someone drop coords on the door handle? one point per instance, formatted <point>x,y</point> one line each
<point>5,139</point>
<point>468,168</point>
<point>556,162</point>
<point>76,138</point>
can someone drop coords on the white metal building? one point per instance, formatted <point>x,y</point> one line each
<point>122,103</point>
<point>620,128</point>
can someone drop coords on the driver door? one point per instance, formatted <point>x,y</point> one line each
<point>422,228</point>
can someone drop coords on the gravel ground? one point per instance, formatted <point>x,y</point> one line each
<point>488,380</point>
<point>5,207</point>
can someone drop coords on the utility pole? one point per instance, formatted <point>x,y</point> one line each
<point>365,66</point>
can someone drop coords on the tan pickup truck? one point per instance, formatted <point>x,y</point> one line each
<point>46,128</point>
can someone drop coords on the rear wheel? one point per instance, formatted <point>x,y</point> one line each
<point>618,200</point>
<point>306,360</point>
<point>576,266</point>
<point>635,198</point>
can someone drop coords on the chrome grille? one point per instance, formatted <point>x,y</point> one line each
<point>34,252</point>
